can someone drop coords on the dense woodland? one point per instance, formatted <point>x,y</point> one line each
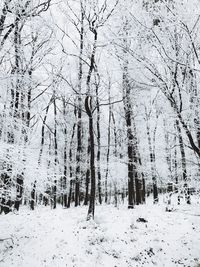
<point>99,102</point>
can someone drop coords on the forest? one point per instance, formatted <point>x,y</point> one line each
<point>99,133</point>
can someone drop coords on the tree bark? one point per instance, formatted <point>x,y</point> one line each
<point>33,197</point>
<point>19,185</point>
<point>130,138</point>
<point>108,150</point>
<point>65,159</point>
<point>79,113</point>
<point>70,167</point>
<point>183,163</point>
<point>98,146</point>
<point>87,179</point>
<point>92,170</point>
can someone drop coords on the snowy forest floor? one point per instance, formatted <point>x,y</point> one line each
<point>63,237</point>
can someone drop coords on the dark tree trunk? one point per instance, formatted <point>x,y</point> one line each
<point>92,171</point>
<point>99,145</point>
<point>87,180</point>
<point>115,134</point>
<point>142,181</point>
<point>138,198</point>
<point>143,189</point>
<point>77,192</point>
<point>5,203</point>
<point>88,108</point>
<point>70,167</point>
<point>79,114</point>
<point>54,189</point>
<point>78,154</point>
<point>33,197</point>
<point>115,196</point>
<point>20,181</point>
<point>54,194</point>
<point>55,133</point>
<point>183,162</point>
<point>70,191</point>
<point>65,160</point>
<point>130,139</point>
<point>137,190</point>
<point>108,151</point>
<point>16,67</point>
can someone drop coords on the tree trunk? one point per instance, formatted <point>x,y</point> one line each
<point>92,171</point>
<point>99,146</point>
<point>33,198</point>
<point>87,180</point>
<point>65,159</point>
<point>54,194</point>
<point>175,165</point>
<point>130,138</point>
<point>88,107</point>
<point>183,162</point>
<point>108,150</point>
<point>20,182</point>
<point>79,113</point>
<point>70,167</point>
<point>168,150</point>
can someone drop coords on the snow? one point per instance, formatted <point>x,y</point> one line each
<point>63,237</point>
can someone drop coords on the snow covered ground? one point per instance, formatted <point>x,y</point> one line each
<point>62,237</point>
